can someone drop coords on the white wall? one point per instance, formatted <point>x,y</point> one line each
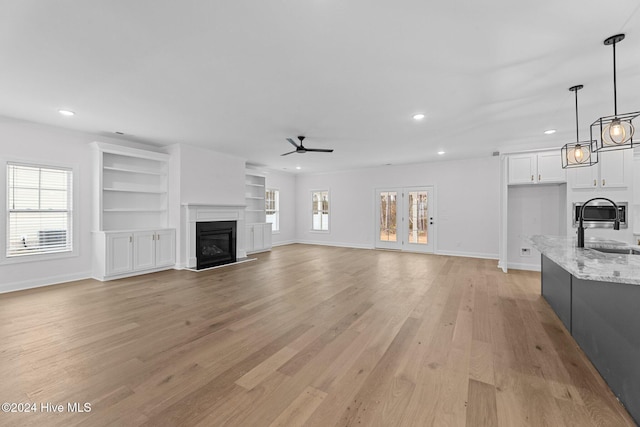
<point>208,177</point>
<point>467,204</point>
<point>533,209</point>
<point>285,183</point>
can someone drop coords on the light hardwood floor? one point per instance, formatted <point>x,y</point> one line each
<point>305,335</point>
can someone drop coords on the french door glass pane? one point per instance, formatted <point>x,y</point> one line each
<point>418,212</point>
<point>388,216</point>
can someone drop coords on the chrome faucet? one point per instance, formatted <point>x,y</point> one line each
<point>616,223</point>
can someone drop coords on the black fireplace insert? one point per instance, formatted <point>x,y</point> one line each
<point>215,243</point>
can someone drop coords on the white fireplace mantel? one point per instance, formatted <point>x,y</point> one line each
<point>201,213</point>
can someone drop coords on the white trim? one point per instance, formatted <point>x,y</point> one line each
<point>38,283</point>
<point>522,266</point>
<point>286,242</point>
<point>480,255</point>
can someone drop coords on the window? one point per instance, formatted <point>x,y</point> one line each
<point>272,208</point>
<point>39,210</point>
<point>320,211</point>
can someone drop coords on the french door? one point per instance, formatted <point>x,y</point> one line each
<point>405,219</point>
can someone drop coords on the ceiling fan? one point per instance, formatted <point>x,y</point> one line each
<point>302,149</point>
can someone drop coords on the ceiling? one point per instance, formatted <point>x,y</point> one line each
<point>241,76</point>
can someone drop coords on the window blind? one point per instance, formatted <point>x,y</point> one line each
<point>39,210</point>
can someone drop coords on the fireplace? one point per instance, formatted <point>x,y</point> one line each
<point>215,243</point>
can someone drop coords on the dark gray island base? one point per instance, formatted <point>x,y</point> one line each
<point>604,319</point>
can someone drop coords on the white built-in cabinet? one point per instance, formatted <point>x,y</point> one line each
<point>544,167</point>
<point>258,231</point>
<point>130,212</point>
<point>258,237</point>
<point>611,171</point>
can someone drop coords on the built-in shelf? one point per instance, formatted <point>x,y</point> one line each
<point>131,170</point>
<point>132,190</point>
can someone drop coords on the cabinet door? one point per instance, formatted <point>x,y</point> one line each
<point>584,177</point>
<point>613,169</point>
<point>522,169</point>
<point>266,235</point>
<point>258,237</point>
<point>144,250</point>
<point>550,167</point>
<point>165,248</point>
<point>249,238</point>
<point>119,253</point>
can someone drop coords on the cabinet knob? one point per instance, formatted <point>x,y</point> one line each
<point>603,183</point>
<point>130,239</point>
<point>539,177</point>
<point>531,178</point>
<point>595,182</point>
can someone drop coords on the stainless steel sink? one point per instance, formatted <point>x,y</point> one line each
<point>625,251</point>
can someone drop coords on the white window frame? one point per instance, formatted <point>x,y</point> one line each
<point>275,226</point>
<point>75,179</point>
<point>314,230</point>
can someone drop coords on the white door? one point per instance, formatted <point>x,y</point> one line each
<point>550,167</point>
<point>165,248</point>
<point>144,250</point>
<point>405,219</point>
<point>119,256</point>
<point>522,169</point>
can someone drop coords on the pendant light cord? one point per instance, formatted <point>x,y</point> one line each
<point>577,127</point>
<point>615,92</point>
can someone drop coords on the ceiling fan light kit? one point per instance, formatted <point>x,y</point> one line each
<point>614,132</point>
<point>580,153</point>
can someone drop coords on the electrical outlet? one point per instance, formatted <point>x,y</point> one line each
<point>525,252</point>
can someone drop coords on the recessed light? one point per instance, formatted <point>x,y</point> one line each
<point>298,167</point>
<point>418,116</point>
<point>119,133</point>
<point>549,131</point>
<point>66,112</point>
<point>441,152</point>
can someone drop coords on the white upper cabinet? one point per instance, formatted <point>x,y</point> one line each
<point>611,171</point>
<point>544,167</point>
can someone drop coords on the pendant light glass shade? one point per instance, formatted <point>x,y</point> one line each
<point>580,153</point>
<point>614,132</point>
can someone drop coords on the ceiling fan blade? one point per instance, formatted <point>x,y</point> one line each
<point>290,152</point>
<point>320,150</point>
<point>292,143</point>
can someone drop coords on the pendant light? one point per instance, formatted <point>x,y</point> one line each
<point>614,132</point>
<point>580,153</point>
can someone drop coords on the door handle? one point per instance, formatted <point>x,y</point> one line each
<point>539,177</point>
<point>531,178</point>
<point>603,183</point>
<point>595,182</point>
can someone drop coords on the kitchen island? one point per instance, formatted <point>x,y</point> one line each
<point>596,295</point>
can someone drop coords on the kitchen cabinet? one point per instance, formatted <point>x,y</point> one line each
<point>258,237</point>
<point>611,171</point>
<point>121,254</point>
<point>544,167</point>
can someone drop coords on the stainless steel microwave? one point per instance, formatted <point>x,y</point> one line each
<point>600,214</point>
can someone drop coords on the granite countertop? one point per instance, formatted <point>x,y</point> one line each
<point>587,263</point>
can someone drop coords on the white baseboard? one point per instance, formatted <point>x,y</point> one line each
<point>522,266</point>
<point>286,242</point>
<point>38,283</point>
<point>336,244</point>
<point>468,254</point>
